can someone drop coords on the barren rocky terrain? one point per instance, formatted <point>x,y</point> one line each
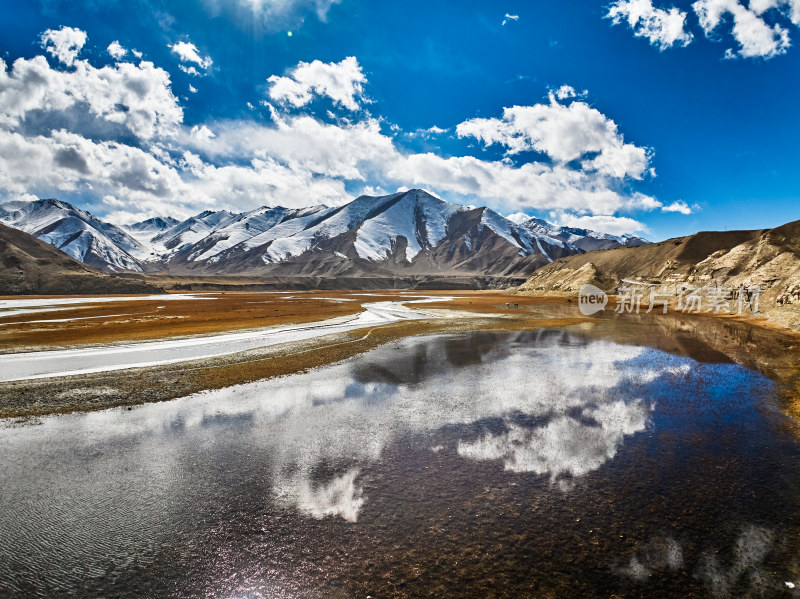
<point>766,259</point>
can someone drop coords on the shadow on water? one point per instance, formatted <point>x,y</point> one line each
<point>590,462</point>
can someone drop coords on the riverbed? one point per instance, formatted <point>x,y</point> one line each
<point>539,463</point>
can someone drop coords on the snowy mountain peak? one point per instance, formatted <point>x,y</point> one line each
<point>411,229</point>
<point>416,216</point>
<point>244,227</point>
<point>190,231</point>
<point>580,239</point>
<point>156,224</point>
<point>75,232</point>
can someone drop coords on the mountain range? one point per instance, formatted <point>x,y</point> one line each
<point>29,266</point>
<point>405,233</point>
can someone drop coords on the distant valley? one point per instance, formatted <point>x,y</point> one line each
<point>409,239</point>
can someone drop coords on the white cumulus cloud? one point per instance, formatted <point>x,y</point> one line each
<point>662,28</point>
<point>565,92</point>
<point>789,7</point>
<point>187,52</point>
<point>136,97</point>
<point>529,186</point>
<point>761,28</point>
<point>342,82</point>
<point>118,132</point>
<point>518,217</point>
<point>756,38</point>
<point>116,50</point>
<point>677,206</point>
<point>564,132</point>
<point>64,43</point>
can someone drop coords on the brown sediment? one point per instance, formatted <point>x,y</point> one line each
<point>158,318</point>
<point>38,397</point>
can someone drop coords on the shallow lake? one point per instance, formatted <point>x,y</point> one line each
<point>541,463</point>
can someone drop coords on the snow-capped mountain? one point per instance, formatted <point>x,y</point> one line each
<point>188,232</point>
<point>248,226</point>
<point>147,229</point>
<point>410,232</point>
<point>583,239</point>
<point>404,232</point>
<point>75,232</point>
<point>32,267</point>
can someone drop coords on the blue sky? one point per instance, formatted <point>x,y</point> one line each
<point>680,117</point>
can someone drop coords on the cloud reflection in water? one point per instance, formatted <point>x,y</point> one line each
<point>327,425</point>
<point>564,445</point>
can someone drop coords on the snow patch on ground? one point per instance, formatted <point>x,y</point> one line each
<point>6,324</point>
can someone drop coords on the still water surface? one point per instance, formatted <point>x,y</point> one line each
<point>491,464</point>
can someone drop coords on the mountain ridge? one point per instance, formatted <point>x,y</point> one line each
<point>767,259</point>
<point>409,232</point>
<point>34,267</point>
<point>76,232</point>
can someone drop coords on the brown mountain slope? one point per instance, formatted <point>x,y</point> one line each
<point>769,259</point>
<point>29,266</point>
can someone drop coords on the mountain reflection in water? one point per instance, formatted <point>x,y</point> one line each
<point>540,461</point>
